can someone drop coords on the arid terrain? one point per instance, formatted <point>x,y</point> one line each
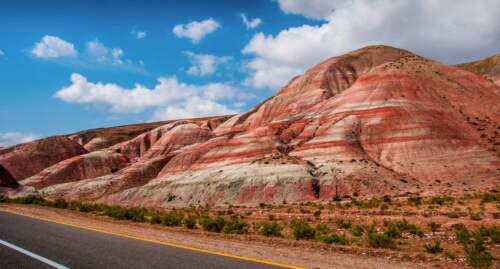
<point>378,157</point>
<point>388,232</point>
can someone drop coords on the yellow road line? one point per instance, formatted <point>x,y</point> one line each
<point>219,253</point>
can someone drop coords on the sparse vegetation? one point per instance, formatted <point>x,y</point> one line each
<point>343,223</point>
<point>380,240</point>
<point>433,248</point>
<point>302,230</point>
<point>334,238</point>
<point>271,229</point>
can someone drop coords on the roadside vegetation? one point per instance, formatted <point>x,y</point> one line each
<point>342,222</point>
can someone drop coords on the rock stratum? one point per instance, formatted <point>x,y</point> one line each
<point>375,121</point>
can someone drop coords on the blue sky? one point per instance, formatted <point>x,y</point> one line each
<point>73,65</point>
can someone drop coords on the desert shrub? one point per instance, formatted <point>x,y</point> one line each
<point>271,229</point>
<point>493,233</point>
<point>74,205</point>
<point>433,226</point>
<point>476,253</point>
<point>135,214</point>
<point>441,200</point>
<point>462,233</point>
<point>155,218</point>
<point>30,199</point>
<point>86,207</point>
<point>172,218</point>
<point>322,229</point>
<point>387,199</point>
<point>235,226</point>
<point>190,222</point>
<point>302,230</point>
<point>212,225</point>
<point>3,199</point>
<point>115,212</point>
<point>343,223</point>
<point>60,203</point>
<point>415,201</point>
<point>357,230</point>
<point>490,197</point>
<point>334,238</point>
<point>392,231</point>
<point>433,248</point>
<point>380,240</point>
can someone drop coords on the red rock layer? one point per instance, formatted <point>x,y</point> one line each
<point>27,159</point>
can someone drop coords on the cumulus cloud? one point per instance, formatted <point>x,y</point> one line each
<point>100,53</point>
<point>169,98</point>
<point>2,53</point>
<point>53,47</point>
<point>196,30</point>
<point>250,24</point>
<point>450,30</point>
<point>204,64</point>
<point>13,138</point>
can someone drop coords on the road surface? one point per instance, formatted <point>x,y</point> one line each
<point>30,243</point>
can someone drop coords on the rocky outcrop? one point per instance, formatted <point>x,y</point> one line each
<point>489,68</point>
<point>375,121</point>
<point>25,160</point>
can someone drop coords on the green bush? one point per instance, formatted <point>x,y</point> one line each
<point>302,230</point>
<point>60,203</point>
<point>433,248</point>
<point>3,199</point>
<point>271,229</point>
<point>155,219</point>
<point>490,197</point>
<point>462,233</point>
<point>441,200</point>
<point>476,253</point>
<point>343,223</point>
<point>493,233</point>
<point>190,222</point>
<point>172,218</point>
<point>380,240</point>
<point>357,230</point>
<point>334,238</point>
<point>235,227</point>
<point>212,225</point>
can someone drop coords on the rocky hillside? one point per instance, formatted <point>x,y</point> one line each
<point>489,68</point>
<point>376,121</point>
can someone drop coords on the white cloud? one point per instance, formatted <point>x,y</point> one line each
<point>204,64</point>
<point>100,53</point>
<point>170,98</point>
<point>314,9</point>
<point>13,138</point>
<point>139,34</point>
<point>53,47</point>
<point>196,30</point>
<point>2,53</point>
<point>450,30</point>
<point>250,24</point>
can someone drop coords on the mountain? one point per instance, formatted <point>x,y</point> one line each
<point>375,121</point>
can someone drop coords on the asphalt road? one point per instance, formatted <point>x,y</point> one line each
<point>71,247</point>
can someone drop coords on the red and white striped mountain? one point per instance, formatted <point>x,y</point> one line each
<point>375,121</point>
